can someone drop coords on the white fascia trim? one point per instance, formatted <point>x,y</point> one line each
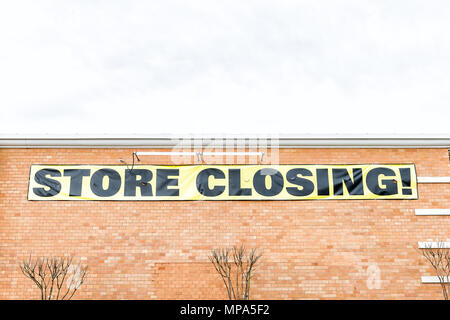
<point>433,179</point>
<point>168,153</point>
<point>433,245</point>
<point>432,212</point>
<point>434,279</point>
<point>170,141</point>
<point>162,153</point>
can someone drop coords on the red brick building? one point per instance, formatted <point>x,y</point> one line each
<point>344,249</point>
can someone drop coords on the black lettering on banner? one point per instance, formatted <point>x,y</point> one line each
<point>113,185</point>
<point>405,173</point>
<point>41,178</point>
<point>341,177</point>
<point>234,177</point>
<point>76,180</point>
<point>390,185</point>
<point>292,176</point>
<point>202,182</point>
<point>131,182</point>
<point>323,184</point>
<point>259,182</point>
<point>163,181</point>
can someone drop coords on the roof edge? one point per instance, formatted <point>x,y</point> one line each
<point>170,141</point>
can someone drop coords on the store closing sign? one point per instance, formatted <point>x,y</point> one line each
<point>222,182</point>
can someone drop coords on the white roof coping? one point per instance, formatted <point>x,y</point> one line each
<point>171,140</point>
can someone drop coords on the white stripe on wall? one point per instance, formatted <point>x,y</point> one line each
<point>434,245</point>
<point>433,179</point>
<point>432,212</point>
<point>434,279</point>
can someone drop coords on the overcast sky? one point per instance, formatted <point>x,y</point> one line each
<point>120,66</point>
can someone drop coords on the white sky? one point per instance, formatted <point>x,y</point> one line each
<point>348,66</point>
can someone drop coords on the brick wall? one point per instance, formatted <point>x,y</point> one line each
<point>159,250</point>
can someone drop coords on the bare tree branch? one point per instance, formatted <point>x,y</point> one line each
<point>235,274</point>
<point>439,258</point>
<point>51,274</point>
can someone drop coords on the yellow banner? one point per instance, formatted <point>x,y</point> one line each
<point>222,182</point>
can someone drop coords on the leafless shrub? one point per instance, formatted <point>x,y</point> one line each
<point>58,278</point>
<point>236,268</point>
<point>439,259</point>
